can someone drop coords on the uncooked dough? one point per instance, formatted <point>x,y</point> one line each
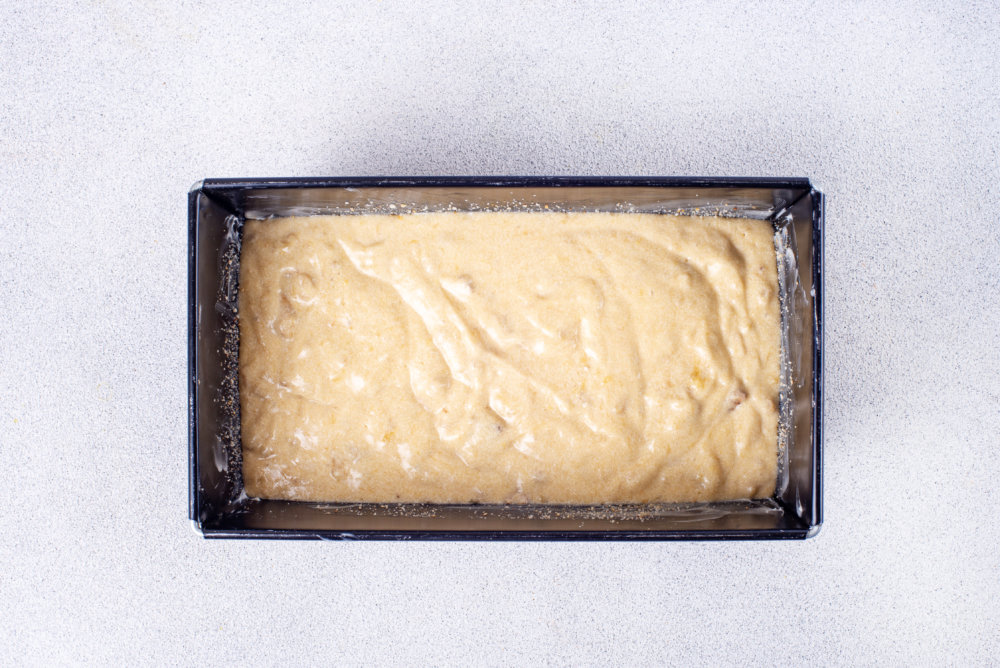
<point>509,357</point>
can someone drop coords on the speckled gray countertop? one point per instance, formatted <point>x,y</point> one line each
<point>111,111</point>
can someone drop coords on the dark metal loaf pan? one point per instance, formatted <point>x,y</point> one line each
<point>219,508</point>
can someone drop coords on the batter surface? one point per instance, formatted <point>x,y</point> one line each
<point>579,358</point>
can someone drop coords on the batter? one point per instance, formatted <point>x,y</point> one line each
<point>563,358</point>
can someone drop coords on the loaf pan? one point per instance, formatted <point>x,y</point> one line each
<point>218,506</point>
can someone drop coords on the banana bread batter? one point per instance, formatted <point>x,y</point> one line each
<point>580,358</point>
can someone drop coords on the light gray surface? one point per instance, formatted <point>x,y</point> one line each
<point>110,112</point>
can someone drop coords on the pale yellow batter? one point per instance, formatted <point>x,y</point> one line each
<point>579,358</point>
